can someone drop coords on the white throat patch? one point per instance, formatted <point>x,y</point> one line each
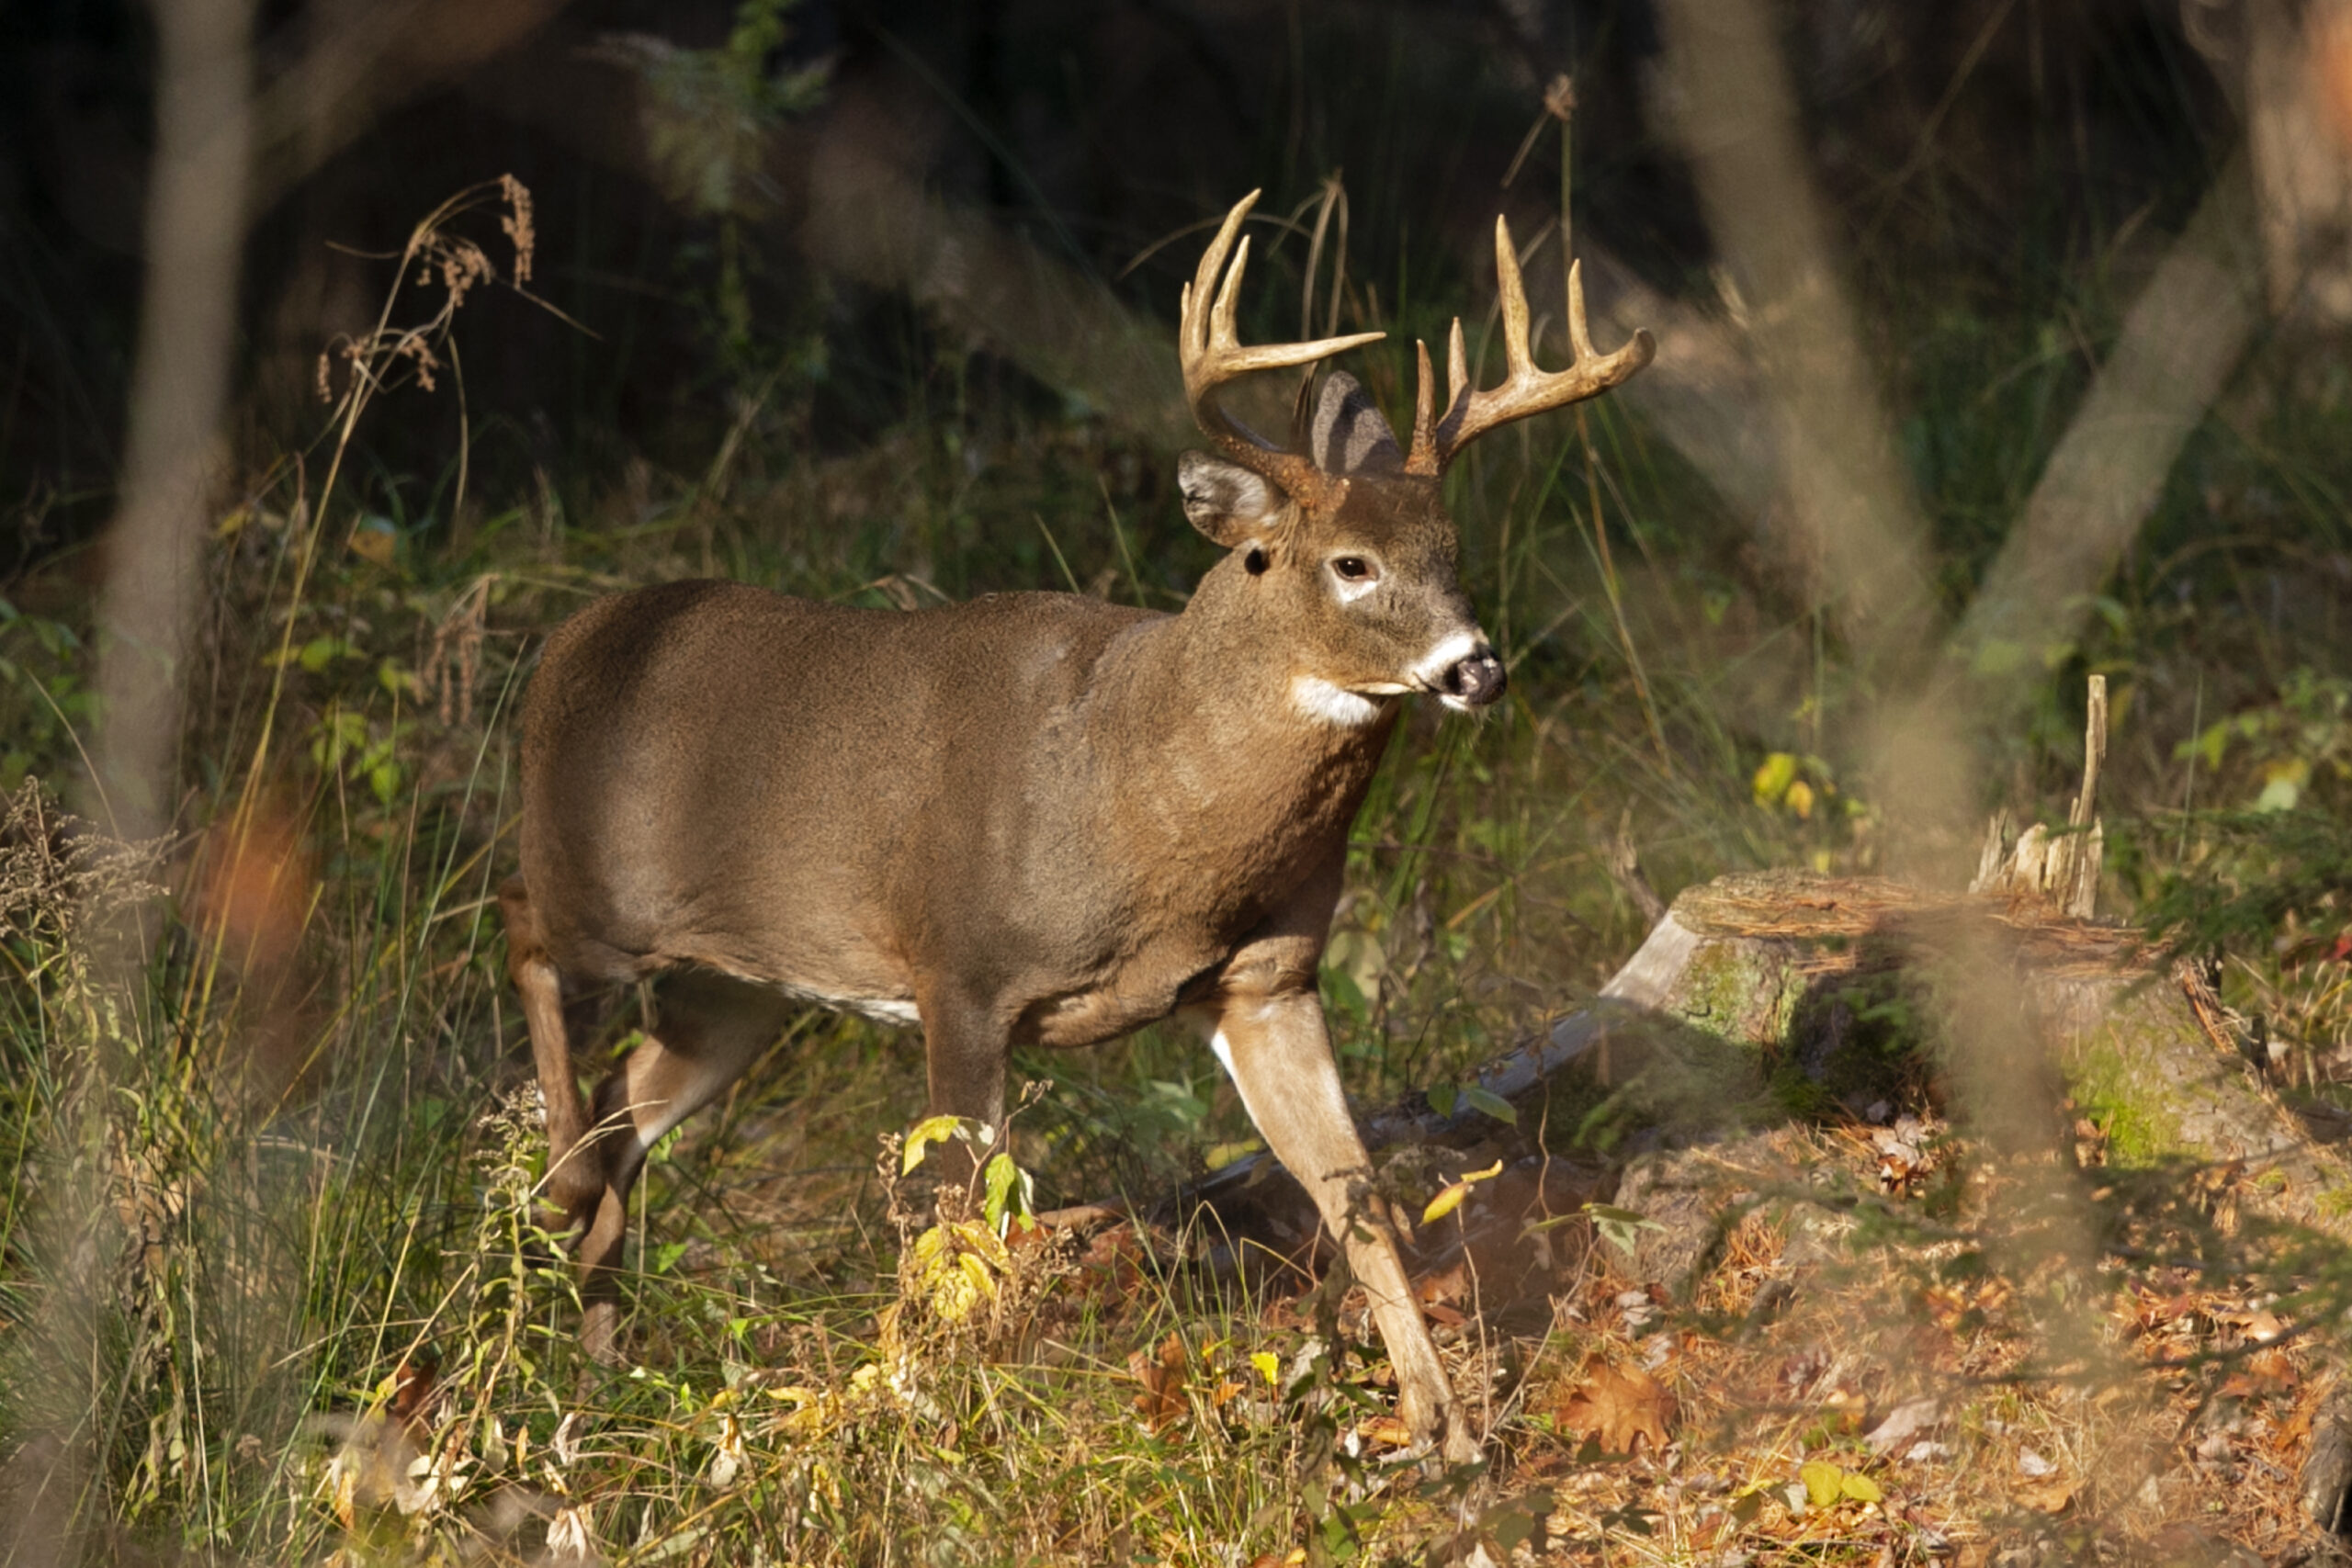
<point>1327,704</point>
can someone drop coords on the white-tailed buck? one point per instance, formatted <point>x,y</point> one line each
<point>1035,818</point>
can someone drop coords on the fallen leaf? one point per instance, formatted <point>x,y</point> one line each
<point>413,1391</point>
<point>1449,1285</point>
<point>1112,1265</point>
<point>1619,1405</point>
<point>1386,1432</point>
<point>2268,1371</point>
<point>1162,1376</point>
<point>2047,1496</point>
<point>1904,1423</point>
<point>1842,1411</point>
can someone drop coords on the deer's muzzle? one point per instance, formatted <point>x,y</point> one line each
<point>1472,680</point>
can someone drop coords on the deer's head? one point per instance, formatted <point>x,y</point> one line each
<point>1344,531</point>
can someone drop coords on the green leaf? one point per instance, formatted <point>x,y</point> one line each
<point>1493,1104</point>
<point>1442,1098</point>
<point>1006,1186</point>
<point>1824,1482</point>
<point>1517,1520</point>
<point>1618,1226</point>
<point>1345,997</point>
<point>320,652</point>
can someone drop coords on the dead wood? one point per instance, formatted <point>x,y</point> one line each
<point>1788,978</point>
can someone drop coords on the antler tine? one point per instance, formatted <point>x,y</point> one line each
<point>1579,340</point>
<point>1425,456</point>
<point>1457,366</point>
<point>1212,353</point>
<point>1518,358</point>
<point>1526,390</point>
<point>1424,409</point>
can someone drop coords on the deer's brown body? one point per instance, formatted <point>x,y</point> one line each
<point>1004,763</point>
<point>1031,818</point>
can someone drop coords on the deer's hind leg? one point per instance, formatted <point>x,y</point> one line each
<point>707,1031</point>
<point>574,1181</point>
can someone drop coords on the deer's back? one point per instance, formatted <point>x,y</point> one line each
<point>720,774</point>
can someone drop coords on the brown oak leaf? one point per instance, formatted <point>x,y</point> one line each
<point>1162,1376</point>
<point>1618,1405</point>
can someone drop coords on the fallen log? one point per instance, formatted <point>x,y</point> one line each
<point>1784,980</point>
<point>1761,996</point>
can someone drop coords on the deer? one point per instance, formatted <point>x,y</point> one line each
<point>1034,819</point>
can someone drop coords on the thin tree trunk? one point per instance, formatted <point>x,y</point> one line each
<point>50,1493</point>
<point>196,229</point>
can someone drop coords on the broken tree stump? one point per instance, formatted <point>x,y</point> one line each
<point>1797,982</point>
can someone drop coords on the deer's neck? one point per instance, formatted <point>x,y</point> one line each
<point>1226,735</point>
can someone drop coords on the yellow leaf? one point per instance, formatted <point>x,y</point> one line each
<point>1446,1201</point>
<point>1772,779</point>
<point>1800,799</point>
<point>929,1131</point>
<point>1270,1367</point>
<point>375,540</point>
<point>1862,1488</point>
<point>1824,1482</point>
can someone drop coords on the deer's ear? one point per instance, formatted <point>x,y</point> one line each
<point>1226,500</point>
<point>1349,434</point>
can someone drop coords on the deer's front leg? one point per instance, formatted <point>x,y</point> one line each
<point>1268,1031</point>
<point>967,1046</point>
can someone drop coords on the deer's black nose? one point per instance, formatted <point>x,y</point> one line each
<point>1474,679</point>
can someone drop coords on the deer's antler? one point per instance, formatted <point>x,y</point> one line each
<point>1211,355</point>
<point>1470,413</point>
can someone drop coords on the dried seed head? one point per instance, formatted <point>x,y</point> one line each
<point>517,225</point>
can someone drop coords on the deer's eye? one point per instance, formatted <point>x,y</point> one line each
<point>1353,569</point>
